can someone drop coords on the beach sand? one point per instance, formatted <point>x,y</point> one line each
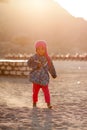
<point>68,96</point>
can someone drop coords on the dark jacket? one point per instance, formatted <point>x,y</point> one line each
<point>40,70</point>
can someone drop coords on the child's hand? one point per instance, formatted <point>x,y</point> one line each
<point>54,76</point>
<point>39,65</point>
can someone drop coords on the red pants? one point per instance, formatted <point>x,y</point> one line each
<point>36,88</point>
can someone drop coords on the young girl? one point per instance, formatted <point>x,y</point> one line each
<point>41,65</point>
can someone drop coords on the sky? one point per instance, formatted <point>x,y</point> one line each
<point>77,8</point>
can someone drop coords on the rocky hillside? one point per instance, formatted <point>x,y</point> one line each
<point>21,26</point>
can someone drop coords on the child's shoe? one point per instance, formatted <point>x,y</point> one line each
<point>49,105</point>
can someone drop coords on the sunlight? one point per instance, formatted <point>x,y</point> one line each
<point>38,3</point>
<point>71,6</point>
<point>35,4</point>
<point>37,7</point>
<point>75,7</point>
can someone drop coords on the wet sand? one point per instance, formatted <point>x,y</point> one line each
<point>68,96</point>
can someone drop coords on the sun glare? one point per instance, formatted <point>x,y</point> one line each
<point>38,3</point>
<point>30,5</point>
<point>35,4</point>
<point>77,8</point>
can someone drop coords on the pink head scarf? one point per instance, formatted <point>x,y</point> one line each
<point>43,44</point>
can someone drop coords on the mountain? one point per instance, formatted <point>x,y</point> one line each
<point>21,26</point>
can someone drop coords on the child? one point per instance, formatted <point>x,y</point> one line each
<point>41,65</point>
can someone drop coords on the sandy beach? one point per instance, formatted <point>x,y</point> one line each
<point>68,96</point>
